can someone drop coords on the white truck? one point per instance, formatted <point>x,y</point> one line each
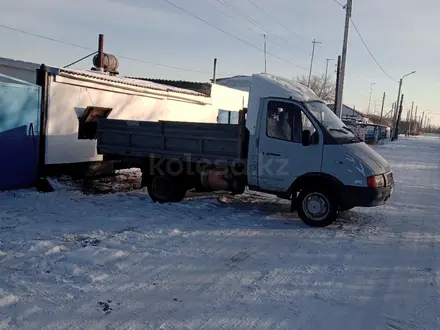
<point>287,143</point>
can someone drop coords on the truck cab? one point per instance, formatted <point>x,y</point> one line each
<point>299,148</point>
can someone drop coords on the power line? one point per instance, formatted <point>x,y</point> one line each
<point>44,37</point>
<point>247,27</point>
<point>254,22</point>
<point>232,35</point>
<point>363,41</point>
<point>271,17</point>
<point>340,4</point>
<point>232,18</point>
<point>89,48</point>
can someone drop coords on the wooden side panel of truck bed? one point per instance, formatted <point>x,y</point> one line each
<point>195,141</point>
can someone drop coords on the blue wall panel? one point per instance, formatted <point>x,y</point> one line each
<point>19,126</point>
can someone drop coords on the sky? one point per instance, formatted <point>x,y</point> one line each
<point>152,38</point>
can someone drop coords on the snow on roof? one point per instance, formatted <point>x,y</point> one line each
<point>296,90</point>
<point>101,76</point>
<point>242,83</point>
<point>293,88</point>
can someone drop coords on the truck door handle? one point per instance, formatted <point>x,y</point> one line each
<point>272,154</point>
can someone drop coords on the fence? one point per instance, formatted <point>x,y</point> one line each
<point>19,133</point>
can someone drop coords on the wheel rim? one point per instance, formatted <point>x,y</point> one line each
<point>161,187</point>
<point>316,206</point>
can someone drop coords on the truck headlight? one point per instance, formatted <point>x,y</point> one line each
<point>376,181</point>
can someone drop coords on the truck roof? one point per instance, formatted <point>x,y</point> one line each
<point>269,85</point>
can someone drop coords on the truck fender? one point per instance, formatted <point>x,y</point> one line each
<point>319,179</point>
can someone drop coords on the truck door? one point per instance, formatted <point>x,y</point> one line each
<point>281,156</point>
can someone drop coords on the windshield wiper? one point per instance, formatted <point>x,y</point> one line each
<point>340,130</point>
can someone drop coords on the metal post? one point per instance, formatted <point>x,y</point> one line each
<point>381,111</point>
<point>214,71</point>
<point>348,9</point>
<point>43,80</point>
<point>314,42</point>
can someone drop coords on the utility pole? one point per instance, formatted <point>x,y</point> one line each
<point>396,110</point>
<point>265,54</point>
<point>397,102</point>
<point>381,111</point>
<point>396,131</point>
<point>340,87</point>
<point>421,120</point>
<point>326,66</point>
<point>410,118</point>
<point>338,74</point>
<point>314,42</point>
<point>415,121</point>
<point>371,92</point>
<point>326,72</point>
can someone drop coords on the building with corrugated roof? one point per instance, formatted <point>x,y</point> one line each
<point>76,97</point>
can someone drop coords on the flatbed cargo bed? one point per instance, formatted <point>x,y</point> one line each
<point>194,142</point>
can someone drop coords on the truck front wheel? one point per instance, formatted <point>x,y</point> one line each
<point>316,207</point>
<point>166,189</point>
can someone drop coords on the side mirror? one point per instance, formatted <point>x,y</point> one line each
<point>306,138</point>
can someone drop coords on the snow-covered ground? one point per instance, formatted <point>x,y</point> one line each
<point>117,261</point>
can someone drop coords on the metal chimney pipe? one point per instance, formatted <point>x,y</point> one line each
<point>101,52</point>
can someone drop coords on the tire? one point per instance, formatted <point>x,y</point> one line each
<point>180,190</point>
<point>317,207</point>
<point>166,189</point>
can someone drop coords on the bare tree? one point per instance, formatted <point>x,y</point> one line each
<point>324,87</point>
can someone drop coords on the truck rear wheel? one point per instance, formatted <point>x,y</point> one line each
<point>316,207</point>
<point>166,189</point>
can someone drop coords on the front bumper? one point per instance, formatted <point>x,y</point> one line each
<point>365,196</point>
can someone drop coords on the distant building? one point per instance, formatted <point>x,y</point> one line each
<point>351,114</point>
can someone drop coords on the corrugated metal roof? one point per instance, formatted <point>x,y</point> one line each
<point>233,77</point>
<point>200,87</point>
<point>96,75</point>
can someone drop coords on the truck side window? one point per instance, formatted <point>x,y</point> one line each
<point>307,124</point>
<point>284,121</point>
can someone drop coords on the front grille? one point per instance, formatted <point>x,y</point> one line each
<point>389,179</point>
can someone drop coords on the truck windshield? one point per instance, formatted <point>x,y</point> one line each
<point>335,127</point>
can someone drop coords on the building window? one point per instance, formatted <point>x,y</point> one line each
<point>87,123</point>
